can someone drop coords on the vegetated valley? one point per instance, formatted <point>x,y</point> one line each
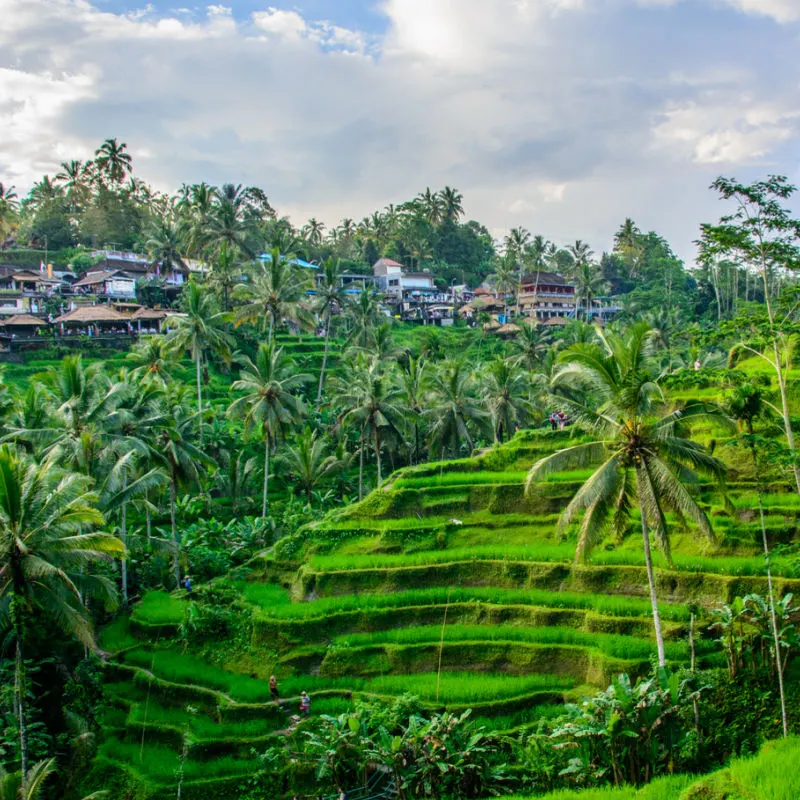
<point>318,536</point>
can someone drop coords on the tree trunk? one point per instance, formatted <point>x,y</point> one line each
<point>124,538</point>
<point>378,453</point>
<point>787,420</point>
<point>173,491</point>
<point>648,560</point>
<point>776,639</point>
<point>147,520</point>
<point>324,357</point>
<point>199,403</point>
<point>19,686</point>
<point>265,500</point>
<point>361,466</point>
<point>271,326</point>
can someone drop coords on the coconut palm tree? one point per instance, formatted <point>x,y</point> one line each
<point>170,446</point>
<point>113,161</point>
<point>330,297</point>
<point>453,409</point>
<point>270,400</point>
<point>13,787</point>
<point>369,398</point>
<point>589,283</point>
<point>516,243</point>
<point>530,345</point>
<point>226,271</point>
<point>431,206</point>
<point>747,403</point>
<point>48,524</point>
<point>413,383</point>
<point>9,213</point>
<point>506,280</point>
<point>505,391</point>
<point>201,329</point>
<point>148,361</point>
<point>643,448</point>
<point>308,461</point>
<point>628,246</point>
<point>314,231</point>
<point>362,316</point>
<point>452,203</point>
<point>276,290</point>
<point>165,243</point>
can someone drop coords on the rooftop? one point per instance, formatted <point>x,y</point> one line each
<point>93,314</point>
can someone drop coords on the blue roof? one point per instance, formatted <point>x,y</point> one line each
<point>297,261</point>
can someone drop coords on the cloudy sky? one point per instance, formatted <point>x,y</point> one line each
<point>564,116</point>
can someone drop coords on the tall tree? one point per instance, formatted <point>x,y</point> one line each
<point>644,450</point>
<point>505,390</point>
<point>369,397</point>
<point>201,329</point>
<point>307,460</point>
<point>276,290</point>
<point>48,524</point>
<point>113,161</point>
<point>762,232</point>
<point>747,403</point>
<point>270,386</point>
<point>330,297</point>
<point>452,203</point>
<point>454,408</point>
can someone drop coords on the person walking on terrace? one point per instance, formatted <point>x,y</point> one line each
<point>305,704</point>
<point>273,688</point>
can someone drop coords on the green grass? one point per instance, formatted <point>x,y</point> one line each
<point>613,645</point>
<point>202,726</point>
<point>668,788</point>
<point>460,479</point>
<point>265,595</point>
<point>721,565</point>
<point>116,636</point>
<point>176,667</point>
<point>161,764</point>
<point>611,605</point>
<point>454,687</point>
<point>160,608</point>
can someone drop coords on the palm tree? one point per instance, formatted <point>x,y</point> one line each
<point>228,223</point>
<point>48,519</point>
<point>307,461</point>
<point>747,403</point>
<point>362,316</point>
<point>199,330</point>
<point>14,787</point>
<point>453,408</point>
<point>276,291</point>
<point>314,231</point>
<point>165,243</point>
<point>530,344</point>
<point>413,382</point>
<point>370,398</point>
<point>644,450</point>
<point>270,399</point>
<point>505,389</point>
<point>628,246</point>
<point>330,297</point>
<point>225,272</point>
<point>452,203</point>
<point>112,160</point>
<point>581,253</point>
<point>147,358</point>
<point>506,279</point>
<point>432,207</point>
<point>171,447</point>
<point>82,409</point>
<point>9,208</point>
<point>589,283</point>
<point>516,243</point>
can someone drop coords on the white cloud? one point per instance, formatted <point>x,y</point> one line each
<point>780,10</point>
<point>559,115</point>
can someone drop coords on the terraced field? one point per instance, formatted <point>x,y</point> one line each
<point>447,583</point>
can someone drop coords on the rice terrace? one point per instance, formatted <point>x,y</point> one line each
<point>320,482</point>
